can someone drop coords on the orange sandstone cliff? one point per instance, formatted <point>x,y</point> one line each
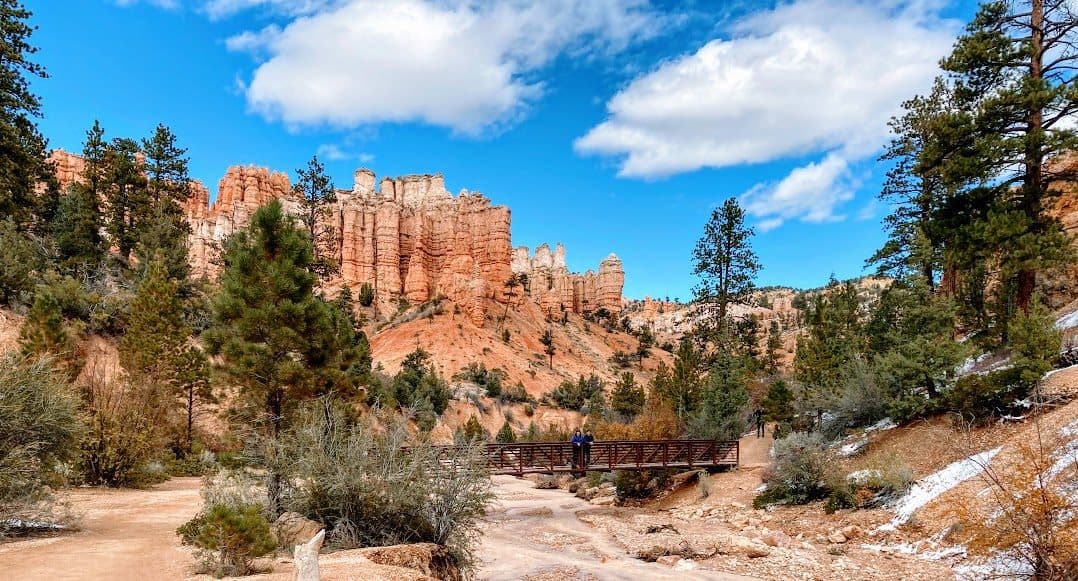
<point>409,238</point>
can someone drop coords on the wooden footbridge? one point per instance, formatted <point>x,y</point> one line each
<point>551,457</point>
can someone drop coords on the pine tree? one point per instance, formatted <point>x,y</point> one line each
<point>156,333</point>
<point>720,412</point>
<point>1014,67</point>
<point>725,263</point>
<point>316,198</point>
<point>22,165</point>
<point>777,403</point>
<point>926,151</point>
<point>127,201</point>
<point>44,332</point>
<point>911,331</point>
<point>833,335</point>
<point>19,263</point>
<point>682,389</point>
<point>474,431</point>
<point>774,345</point>
<point>161,226</point>
<point>627,398</point>
<point>547,339</point>
<point>506,435</point>
<point>366,294</point>
<point>269,330</point>
<point>167,181</point>
<point>76,231</point>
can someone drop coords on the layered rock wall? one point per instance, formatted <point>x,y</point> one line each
<point>556,289</point>
<point>409,238</point>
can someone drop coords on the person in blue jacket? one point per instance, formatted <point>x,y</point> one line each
<point>578,448</point>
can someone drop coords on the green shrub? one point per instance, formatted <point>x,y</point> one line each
<point>234,535</point>
<point>366,294</point>
<point>489,379</point>
<point>124,434</point>
<point>982,397</point>
<point>576,395</point>
<point>800,471</point>
<point>19,263</point>
<point>39,427</point>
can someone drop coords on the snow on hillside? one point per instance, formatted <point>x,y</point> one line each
<point>932,486</point>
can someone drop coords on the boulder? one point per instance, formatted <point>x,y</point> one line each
<point>427,558</point>
<point>749,548</point>
<point>836,538</point>
<point>668,560</point>
<point>851,532</point>
<point>292,528</point>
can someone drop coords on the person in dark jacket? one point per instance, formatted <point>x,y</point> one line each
<point>578,448</point>
<point>589,439</point>
<point>758,418</point>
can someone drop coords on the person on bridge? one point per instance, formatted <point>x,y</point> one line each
<point>588,440</point>
<point>578,448</point>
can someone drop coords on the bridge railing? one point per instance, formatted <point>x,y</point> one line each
<point>524,457</point>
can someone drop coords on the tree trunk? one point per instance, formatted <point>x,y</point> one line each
<point>1034,178</point>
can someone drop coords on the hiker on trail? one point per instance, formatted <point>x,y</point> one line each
<point>588,440</point>
<point>578,448</point>
<point>758,418</point>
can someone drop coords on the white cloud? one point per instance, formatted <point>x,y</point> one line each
<point>810,77</point>
<point>334,152</point>
<point>811,193</point>
<point>465,65</point>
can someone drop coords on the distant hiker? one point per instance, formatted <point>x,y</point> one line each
<point>758,418</point>
<point>589,439</point>
<point>578,448</point>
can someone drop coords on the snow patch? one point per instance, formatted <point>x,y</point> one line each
<point>932,486</point>
<point>1068,321</point>
<point>884,424</point>
<point>862,476</point>
<point>1055,371</point>
<point>852,448</point>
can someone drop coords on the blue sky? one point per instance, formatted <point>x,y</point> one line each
<point>607,125</point>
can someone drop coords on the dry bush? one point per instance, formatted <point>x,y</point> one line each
<point>375,486</point>
<point>1030,512</point>
<point>39,426</point>
<point>126,431</point>
<point>658,421</point>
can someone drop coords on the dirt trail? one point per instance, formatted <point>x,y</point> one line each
<point>125,535</point>
<point>534,534</point>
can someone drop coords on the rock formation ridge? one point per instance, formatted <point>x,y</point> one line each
<point>409,238</point>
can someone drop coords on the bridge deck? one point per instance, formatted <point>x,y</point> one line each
<point>551,457</point>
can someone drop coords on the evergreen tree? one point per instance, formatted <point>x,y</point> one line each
<point>167,181</point>
<point>126,198</point>
<point>366,294</point>
<point>774,345</point>
<point>474,431</point>
<point>156,333</point>
<point>725,262</point>
<point>76,231</point>
<point>316,198</point>
<point>720,412</point>
<point>44,332</point>
<point>161,227</point>
<point>627,398</point>
<point>777,403</point>
<point>1035,343</point>
<point>1014,68</point>
<point>547,339</point>
<point>682,389</point>
<point>269,330</point>
<point>19,263</point>
<point>925,150</point>
<point>22,164</point>
<point>506,435</point>
<point>833,335</point>
<point>911,331</point>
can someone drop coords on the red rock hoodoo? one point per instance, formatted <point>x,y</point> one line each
<point>409,239</point>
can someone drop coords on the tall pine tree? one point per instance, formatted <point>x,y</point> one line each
<point>316,198</point>
<point>725,263</point>
<point>273,336</point>
<point>22,164</point>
